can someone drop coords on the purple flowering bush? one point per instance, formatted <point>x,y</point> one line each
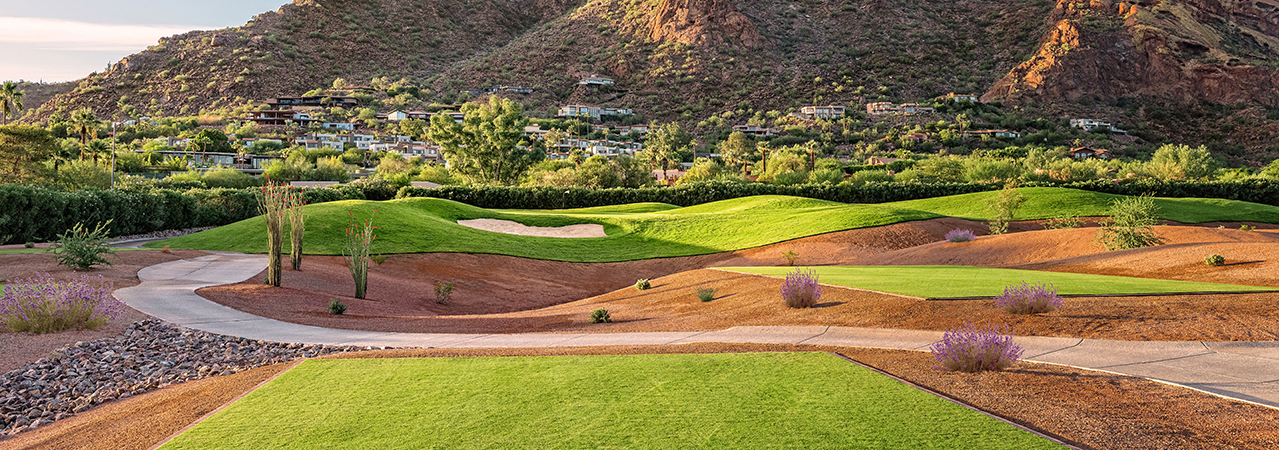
<point>801,290</point>
<point>959,235</point>
<point>43,305</point>
<point>972,349</point>
<point>1027,299</point>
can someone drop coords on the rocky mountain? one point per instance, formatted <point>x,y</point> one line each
<point>690,59</point>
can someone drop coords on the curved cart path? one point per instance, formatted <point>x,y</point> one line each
<point>1245,371</point>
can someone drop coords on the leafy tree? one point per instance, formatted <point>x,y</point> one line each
<point>488,146</point>
<point>339,83</point>
<point>737,149</point>
<point>209,140</point>
<point>667,143</point>
<point>84,122</point>
<point>10,101</point>
<point>23,146</point>
<point>1180,162</point>
<point>416,128</point>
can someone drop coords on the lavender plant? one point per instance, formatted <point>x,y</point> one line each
<point>1027,299</point>
<point>959,235</point>
<point>43,305</point>
<point>801,289</point>
<point>972,349</point>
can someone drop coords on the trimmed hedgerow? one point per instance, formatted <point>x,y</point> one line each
<point>969,348</point>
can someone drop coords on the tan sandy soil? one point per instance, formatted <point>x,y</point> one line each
<point>497,294</point>
<point>586,230</point>
<point>23,348</point>
<point>1085,408</point>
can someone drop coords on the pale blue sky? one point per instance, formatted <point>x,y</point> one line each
<point>61,40</point>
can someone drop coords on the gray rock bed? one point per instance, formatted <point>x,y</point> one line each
<point>149,355</point>
<point>162,234</point>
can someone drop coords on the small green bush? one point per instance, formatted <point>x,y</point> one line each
<point>82,249</point>
<point>443,290</point>
<point>642,284</point>
<point>29,244</point>
<point>1063,222</point>
<point>1247,228</point>
<point>1130,225</point>
<point>791,257</point>
<point>336,307</point>
<point>1215,260</point>
<point>706,294</point>
<point>600,316</point>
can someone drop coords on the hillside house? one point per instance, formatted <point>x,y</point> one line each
<point>882,161</point>
<point>995,133</point>
<point>596,80</point>
<point>248,143</point>
<point>879,108</point>
<point>344,126</point>
<point>952,96</point>
<point>410,149</point>
<point>280,117</point>
<point>637,129</point>
<point>312,101</point>
<point>593,112</point>
<point>918,137</point>
<point>1091,125</point>
<point>1086,153</point>
<point>829,112</point>
<point>397,115</point>
<point>756,130</point>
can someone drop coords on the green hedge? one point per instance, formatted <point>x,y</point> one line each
<point>32,213</point>
<point>1256,191</point>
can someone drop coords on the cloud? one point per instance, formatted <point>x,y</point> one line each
<point>54,34</point>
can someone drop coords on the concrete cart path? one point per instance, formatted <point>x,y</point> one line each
<point>1241,370</point>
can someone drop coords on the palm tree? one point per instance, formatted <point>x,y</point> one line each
<point>84,122</point>
<point>97,147</point>
<point>10,101</point>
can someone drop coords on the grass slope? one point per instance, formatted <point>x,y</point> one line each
<point>760,400</point>
<point>966,281</point>
<point>656,230</point>
<point>635,232</point>
<point>1045,203</point>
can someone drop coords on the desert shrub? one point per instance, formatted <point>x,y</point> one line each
<point>1130,224</point>
<point>336,307</point>
<point>959,235</point>
<point>801,289</point>
<point>43,305</point>
<point>1004,205</point>
<point>1063,222</point>
<point>359,237</point>
<point>29,244</point>
<point>971,349</point>
<point>600,316</point>
<point>80,248</point>
<point>791,257</point>
<point>642,284</point>
<point>706,294</point>
<point>1027,299</point>
<point>1215,260</point>
<point>443,290</point>
<point>1247,228</point>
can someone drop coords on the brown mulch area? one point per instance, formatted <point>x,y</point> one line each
<point>497,294</point>
<point>23,348</point>
<point>1085,408</point>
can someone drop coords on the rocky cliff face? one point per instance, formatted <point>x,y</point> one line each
<point>703,22</point>
<point>1201,50</point>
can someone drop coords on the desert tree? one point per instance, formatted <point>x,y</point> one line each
<point>489,145</point>
<point>84,122</point>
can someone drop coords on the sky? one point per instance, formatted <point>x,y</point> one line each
<point>63,40</point>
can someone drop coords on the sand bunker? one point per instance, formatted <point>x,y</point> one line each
<point>586,230</point>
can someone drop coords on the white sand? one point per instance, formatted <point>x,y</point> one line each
<point>588,230</point>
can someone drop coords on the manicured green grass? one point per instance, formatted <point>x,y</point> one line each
<point>656,230</point>
<point>738,401</point>
<point>966,281</point>
<point>1045,203</point>
<point>420,225</point>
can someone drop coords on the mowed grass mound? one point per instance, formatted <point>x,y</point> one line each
<point>1047,203</point>
<point>655,230</point>
<point>421,225</point>
<point>967,281</point>
<point>760,400</point>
